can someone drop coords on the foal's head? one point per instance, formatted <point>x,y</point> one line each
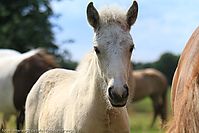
<point>113,46</point>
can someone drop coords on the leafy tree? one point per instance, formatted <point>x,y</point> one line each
<point>140,65</point>
<point>71,65</point>
<point>64,59</point>
<point>167,64</point>
<point>25,24</point>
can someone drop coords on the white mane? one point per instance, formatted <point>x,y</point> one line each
<point>88,71</point>
<point>113,13</point>
<point>85,63</point>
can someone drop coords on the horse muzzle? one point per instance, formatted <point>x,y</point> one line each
<point>118,96</point>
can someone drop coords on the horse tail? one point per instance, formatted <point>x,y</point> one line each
<point>164,106</point>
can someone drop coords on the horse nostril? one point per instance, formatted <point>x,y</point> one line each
<point>111,93</point>
<point>126,86</point>
<point>126,92</point>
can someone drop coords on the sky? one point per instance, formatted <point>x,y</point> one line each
<point>162,26</point>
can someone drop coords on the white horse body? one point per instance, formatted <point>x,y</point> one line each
<point>7,52</point>
<point>9,61</point>
<point>93,98</point>
<point>83,109</point>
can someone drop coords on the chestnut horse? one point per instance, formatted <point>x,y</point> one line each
<point>18,74</point>
<point>152,83</point>
<point>185,89</point>
<point>93,98</point>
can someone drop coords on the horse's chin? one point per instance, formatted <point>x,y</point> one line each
<point>118,105</point>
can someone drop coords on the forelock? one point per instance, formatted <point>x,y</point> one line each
<point>113,14</point>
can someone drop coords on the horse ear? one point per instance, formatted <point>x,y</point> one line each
<point>132,13</point>
<point>92,15</point>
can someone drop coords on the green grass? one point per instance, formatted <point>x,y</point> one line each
<point>11,125</point>
<point>140,117</point>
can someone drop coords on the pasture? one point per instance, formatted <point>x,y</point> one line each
<point>140,115</point>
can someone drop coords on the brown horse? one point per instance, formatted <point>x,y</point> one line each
<point>152,83</point>
<point>185,89</point>
<point>18,74</point>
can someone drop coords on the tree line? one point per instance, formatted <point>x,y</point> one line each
<point>167,64</point>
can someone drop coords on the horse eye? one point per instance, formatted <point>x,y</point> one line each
<point>131,49</point>
<point>96,50</point>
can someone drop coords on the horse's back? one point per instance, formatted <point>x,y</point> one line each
<point>149,82</point>
<point>156,77</point>
<point>46,98</point>
<point>8,52</point>
<point>185,88</point>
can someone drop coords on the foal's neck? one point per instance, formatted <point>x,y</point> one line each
<point>101,111</point>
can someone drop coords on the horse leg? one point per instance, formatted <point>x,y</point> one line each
<point>154,117</point>
<point>6,118</point>
<point>2,126</point>
<point>156,108</point>
<point>163,110</point>
<point>20,119</point>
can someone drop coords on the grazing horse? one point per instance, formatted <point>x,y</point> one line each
<point>152,83</point>
<point>185,89</point>
<point>18,74</point>
<point>93,98</point>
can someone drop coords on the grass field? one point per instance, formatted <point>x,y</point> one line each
<point>140,116</point>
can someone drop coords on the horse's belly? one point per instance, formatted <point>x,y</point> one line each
<point>7,69</point>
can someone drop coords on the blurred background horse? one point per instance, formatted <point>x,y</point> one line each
<point>152,83</point>
<point>18,74</point>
